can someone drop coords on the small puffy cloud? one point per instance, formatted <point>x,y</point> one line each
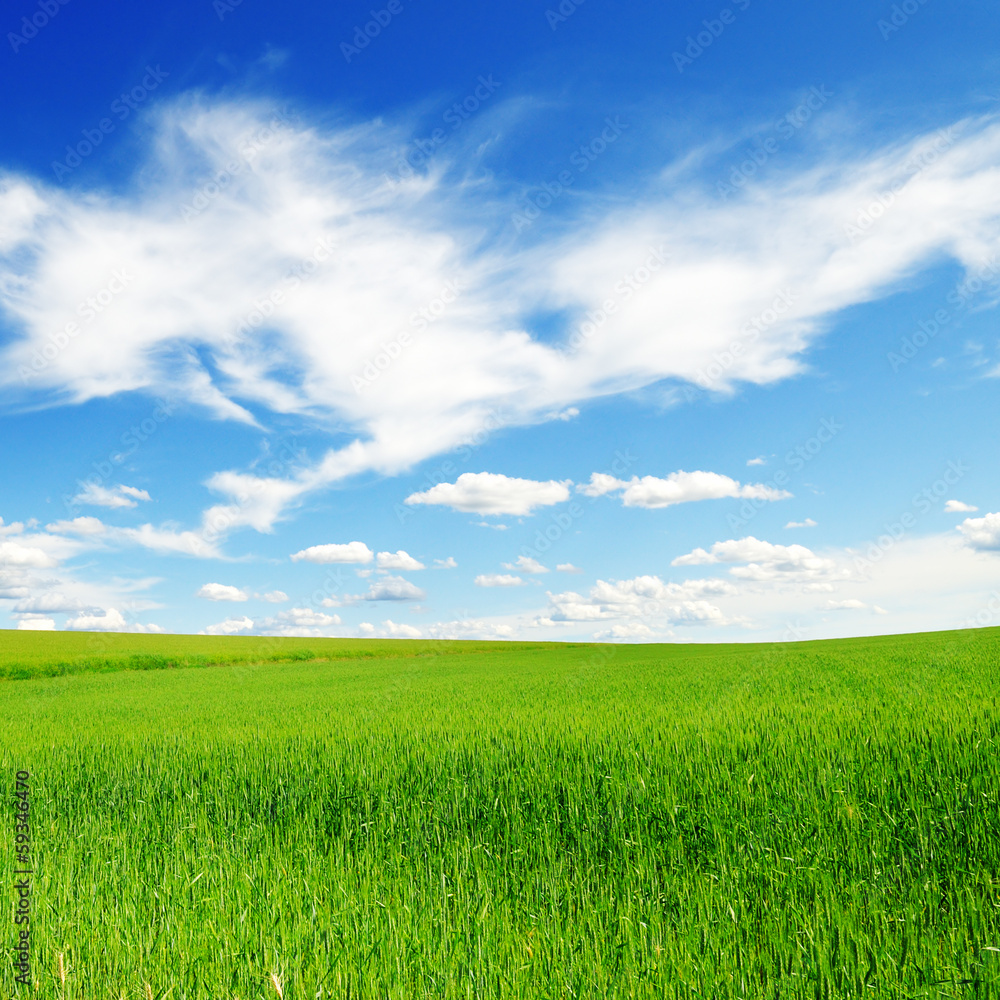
<point>493,493</point>
<point>397,560</point>
<point>878,611</point>
<point>95,495</point>
<point>25,556</point>
<point>37,624</point>
<point>981,533</point>
<point>229,627</point>
<point>807,523</point>
<point>350,552</point>
<point>448,563</point>
<point>679,487</point>
<point>525,564</point>
<point>498,580</point>
<point>759,460</point>
<point>851,604</point>
<point>111,620</point>
<point>470,628</point>
<point>764,560</point>
<point>301,618</point>
<point>85,526</point>
<point>957,507</point>
<point>393,588</point>
<point>366,628</point>
<point>275,597</point>
<point>400,631</point>
<point>631,630</point>
<point>221,592</point>
<point>568,568</point>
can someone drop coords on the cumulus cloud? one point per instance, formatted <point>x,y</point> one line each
<point>568,568</point>
<point>807,523</point>
<point>759,460</point>
<point>678,487</point>
<point>96,495</point>
<point>397,560</point>
<point>525,564</point>
<point>448,563</point>
<point>763,561</point>
<point>28,556</point>
<point>392,588</point>
<point>50,603</point>
<point>182,327</point>
<point>275,597</point>
<point>231,626</point>
<point>493,493</point>
<point>643,596</point>
<point>471,628</point>
<point>400,631</point>
<point>850,604</point>
<point>350,552</point>
<point>957,507</point>
<point>37,624</point>
<point>498,580</point>
<point>85,526</point>
<point>632,630</point>
<point>221,592</point>
<point>981,533</point>
<point>111,620</point>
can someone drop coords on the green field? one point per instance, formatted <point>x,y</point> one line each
<point>353,819</point>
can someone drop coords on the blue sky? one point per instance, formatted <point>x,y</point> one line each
<point>634,322</point>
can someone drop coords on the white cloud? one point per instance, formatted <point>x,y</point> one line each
<point>229,627</point>
<point>397,560</point>
<point>111,620</point>
<point>275,597</point>
<point>28,556</point>
<point>568,568</point>
<point>85,526</point>
<point>525,564</point>
<point>981,533</point>
<point>96,495</point>
<point>168,541</point>
<point>498,580</point>
<point>50,603</point>
<point>221,592</point>
<point>851,604</point>
<point>632,630</point>
<point>759,460</point>
<point>400,631</point>
<point>764,560</point>
<point>957,507</point>
<point>807,523</point>
<point>300,617</point>
<point>392,588</point>
<point>471,628</point>
<point>678,487</point>
<point>448,563</point>
<point>37,624</point>
<point>181,327</point>
<point>351,552</point>
<point>493,493</point>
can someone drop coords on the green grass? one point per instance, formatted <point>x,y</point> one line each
<point>403,820</point>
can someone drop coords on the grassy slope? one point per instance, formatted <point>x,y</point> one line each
<point>504,820</point>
